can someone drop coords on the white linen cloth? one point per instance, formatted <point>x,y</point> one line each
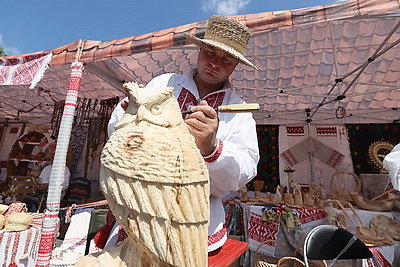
<point>74,245</point>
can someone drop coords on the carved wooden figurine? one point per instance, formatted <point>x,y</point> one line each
<point>156,184</point>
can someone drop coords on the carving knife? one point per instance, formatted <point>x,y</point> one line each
<point>234,108</point>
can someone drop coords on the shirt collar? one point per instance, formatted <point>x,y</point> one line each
<point>188,83</point>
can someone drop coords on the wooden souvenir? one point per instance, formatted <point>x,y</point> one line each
<point>156,183</point>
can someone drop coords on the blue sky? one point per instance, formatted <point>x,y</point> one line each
<point>28,26</point>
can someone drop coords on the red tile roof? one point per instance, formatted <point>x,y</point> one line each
<point>306,59</point>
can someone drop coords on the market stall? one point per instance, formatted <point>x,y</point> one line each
<point>320,69</point>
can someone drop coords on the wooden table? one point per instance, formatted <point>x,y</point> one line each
<point>256,231</point>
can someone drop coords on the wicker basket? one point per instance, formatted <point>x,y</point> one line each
<point>262,260</point>
<point>344,182</point>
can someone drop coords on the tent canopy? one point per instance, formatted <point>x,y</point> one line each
<point>338,63</point>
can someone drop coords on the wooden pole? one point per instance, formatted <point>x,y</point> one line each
<point>50,219</point>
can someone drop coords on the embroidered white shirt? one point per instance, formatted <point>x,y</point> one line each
<point>236,163</point>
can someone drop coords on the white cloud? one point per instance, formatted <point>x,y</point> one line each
<point>9,50</point>
<point>224,7</point>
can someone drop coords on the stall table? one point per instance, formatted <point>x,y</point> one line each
<point>256,231</point>
<point>21,247</point>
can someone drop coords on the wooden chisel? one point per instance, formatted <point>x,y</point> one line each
<point>234,108</point>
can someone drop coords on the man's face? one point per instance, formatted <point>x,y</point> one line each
<point>215,65</point>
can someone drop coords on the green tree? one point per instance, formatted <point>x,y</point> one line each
<point>2,53</point>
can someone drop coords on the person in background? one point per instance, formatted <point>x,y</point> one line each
<point>391,162</point>
<point>45,178</point>
<point>227,141</point>
<point>33,202</point>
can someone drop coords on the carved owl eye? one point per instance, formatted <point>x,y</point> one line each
<point>135,141</point>
<point>155,109</point>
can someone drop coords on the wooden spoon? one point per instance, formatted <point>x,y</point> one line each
<point>384,193</point>
<point>345,213</point>
<point>358,230</point>
<point>363,229</point>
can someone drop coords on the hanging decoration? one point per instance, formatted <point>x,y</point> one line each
<point>268,165</point>
<point>362,136</point>
<point>377,152</point>
<point>24,70</point>
<point>87,111</point>
<point>57,172</point>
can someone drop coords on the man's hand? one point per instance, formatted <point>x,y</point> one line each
<point>42,187</point>
<point>203,125</point>
<point>124,104</point>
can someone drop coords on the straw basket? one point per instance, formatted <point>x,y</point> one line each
<point>262,260</point>
<point>344,182</point>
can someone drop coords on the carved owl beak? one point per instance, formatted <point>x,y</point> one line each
<point>141,113</point>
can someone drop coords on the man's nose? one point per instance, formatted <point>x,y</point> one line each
<point>215,62</point>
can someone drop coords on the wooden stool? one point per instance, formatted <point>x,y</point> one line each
<point>23,185</point>
<point>225,256</point>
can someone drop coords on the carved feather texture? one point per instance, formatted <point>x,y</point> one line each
<point>156,182</point>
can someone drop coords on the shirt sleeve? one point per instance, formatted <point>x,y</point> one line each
<point>45,175</point>
<point>237,163</point>
<point>391,162</point>
<point>116,115</point>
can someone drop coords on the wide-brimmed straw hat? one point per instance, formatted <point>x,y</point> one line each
<point>226,34</point>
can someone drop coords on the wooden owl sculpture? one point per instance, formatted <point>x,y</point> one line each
<point>156,184</point>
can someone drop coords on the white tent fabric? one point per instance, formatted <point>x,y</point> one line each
<point>331,64</point>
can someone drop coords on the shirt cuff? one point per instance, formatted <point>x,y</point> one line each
<point>215,154</point>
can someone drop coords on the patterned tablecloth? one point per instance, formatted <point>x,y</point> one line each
<point>257,230</point>
<point>21,247</point>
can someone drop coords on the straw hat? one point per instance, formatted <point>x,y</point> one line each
<point>226,34</point>
<point>18,221</point>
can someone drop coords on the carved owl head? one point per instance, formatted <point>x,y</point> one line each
<point>154,105</point>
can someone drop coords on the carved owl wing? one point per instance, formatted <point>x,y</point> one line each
<point>156,184</point>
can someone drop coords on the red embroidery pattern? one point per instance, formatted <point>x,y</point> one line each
<point>28,241</point>
<point>326,131</point>
<point>15,207</point>
<point>21,70</point>
<point>215,100</point>
<point>187,100</point>
<point>217,153</point>
<point>289,157</point>
<point>122,235</point>
<point>295,130</point>
<point>7,248</point>
<point>307,215</point>
<point>16,245</point>
<point>35,243</point>
<point>260,230</point>
<point>214,238</point>
<point>379,257</point>
<point>335,159</point>
<point>46,239</point>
